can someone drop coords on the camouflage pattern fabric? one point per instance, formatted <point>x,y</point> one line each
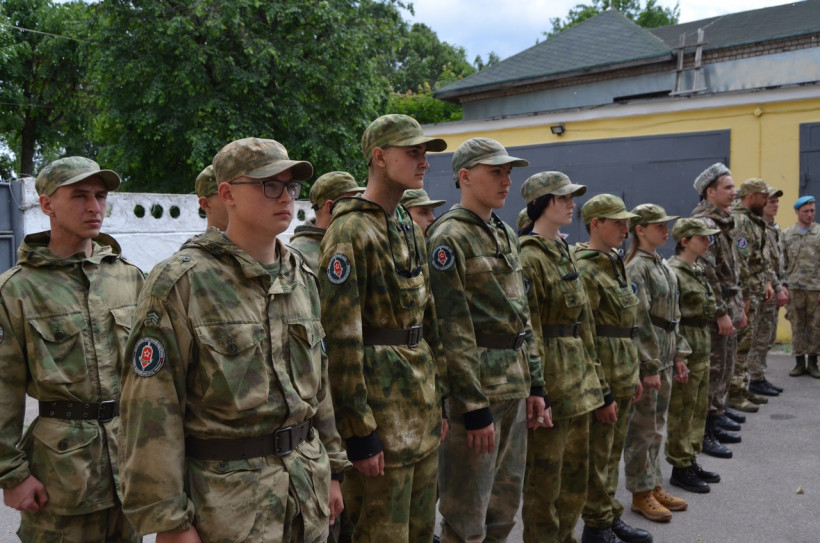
<point>215,362</point>
<point>103,526</point>
<point>745,336</point>
<point>802,252</point>
<point>63,326</point>
<point>803,314</point>
<point>480,493</point>
<point>753,253</point>
<point>306,239</point>
<point>766,334</point>
<point>689,403</point>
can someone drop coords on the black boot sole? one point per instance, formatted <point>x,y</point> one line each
<point>696,489</point>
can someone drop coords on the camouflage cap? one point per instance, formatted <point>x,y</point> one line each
<point>556,183</point>
<point>483,151</point>
<point>206,184</point>
<point>649,214</point>
<point>70,170</point>
<point>396,131</point>
<point>718,169</point>
<point>803,200</point>
<point>419,197</point>
<point>774,193</point>
<point>753,186</point>
<point>522,220</point>
<point>605,206</point>
<point>258,159</point>
<point>331,186</point>
<point>686,228</point>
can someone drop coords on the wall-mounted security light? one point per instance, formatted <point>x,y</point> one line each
<point>557,129</point>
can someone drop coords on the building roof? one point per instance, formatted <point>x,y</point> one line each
<point>609,41</point>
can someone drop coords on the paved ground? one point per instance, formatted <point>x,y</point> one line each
<point>770,490</point>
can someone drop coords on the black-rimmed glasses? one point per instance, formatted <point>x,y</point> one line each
<point>274,189</point>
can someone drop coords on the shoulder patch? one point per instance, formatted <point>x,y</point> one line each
<point>338,269</point>
<point>148,357</point>
<point>442,257</point>
<point>742,243</point>
<point>151,319</point>
<point>711,240</point>
<point>526,285</point>
<point>2,334</point>
<point>634,287</point>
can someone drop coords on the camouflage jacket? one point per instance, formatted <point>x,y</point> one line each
<point>696,302</point>
<point>801,254</point>
<point>612,303</point>
<point>658,295</point>
<point>63,326</point>
<point>721,262</point>
<point>774,247</point>
<point>574,378</point>
<point>755,265</point>
<point>375,276</point>
<point>478,284</point>
<point>306,239</point>
<point>220,349</point>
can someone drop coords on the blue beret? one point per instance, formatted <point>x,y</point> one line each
<point>803,200</point>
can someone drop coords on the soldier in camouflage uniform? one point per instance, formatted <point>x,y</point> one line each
<point>755,281</point>
<point>766,333</point>
<point>228,430</point>
<point>564,328</point>
<point>663,352</point>
<point>421,207</point>
<point>717,191</point>
<point>325,191</point>
<point>65,311</point>
<point>615,308</point>
<point>383,341</point>
<point>494,373</point>
<point>209,201</point>
<point>801,246</point>
<point>689,402</point>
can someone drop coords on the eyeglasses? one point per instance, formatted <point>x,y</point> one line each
<point>274,189</point>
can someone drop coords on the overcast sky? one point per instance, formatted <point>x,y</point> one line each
<point>509,27</point>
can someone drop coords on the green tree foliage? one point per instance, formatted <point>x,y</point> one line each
<point>44,111</point>
<point>649,16</point>
<point>424,59</point>
<point>177,79</point>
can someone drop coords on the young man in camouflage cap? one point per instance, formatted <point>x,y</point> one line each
<point>325,191</point>
<point>382,340</point>
<point>495,381</point>
<point>228,430</point>
<point>65,310</point>
<point>209,200</point>
<point>421,207</point>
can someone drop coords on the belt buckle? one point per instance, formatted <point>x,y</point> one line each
<point>414,337</point>
<point>633,334</point>
<point>576,329</point>
<point>671,327</point>
<point>277,435</point>
<point>519,341</point>
<point>101,415</point>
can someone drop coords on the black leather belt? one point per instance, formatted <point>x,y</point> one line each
<point>103,411</point>
<point>630,332</point>
<point>691,321</point>
<point>281,443</point>
<point>663,324</point>
<point>493,341</point>
<point>392,336</point>
<point>561,330</point>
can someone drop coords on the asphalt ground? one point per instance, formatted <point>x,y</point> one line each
<point>769,492</point>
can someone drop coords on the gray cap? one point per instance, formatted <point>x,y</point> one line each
<point>686,228</point>
<point>419,197</point>
<point>522,220</point>
<point>331,186</point>
<point>556,183</point>
<point>71,170</point>
<point>718,169</point>
<point>753,186</point>
<point>206,184</point>
<point>649,214</point>
<point>396,131</point>
<point>775,193</point>
<point>257,158</point>
<point>605,206</point>
<point>483,151</point>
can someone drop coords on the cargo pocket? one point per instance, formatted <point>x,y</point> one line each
<point>305,357</point>
<point>233,370</point>
<point>494,366</point>
<point>319,466</point>
<point>122,325</point>
<point>58,348</point>
<point>575,297</point>
<point>413,293</point>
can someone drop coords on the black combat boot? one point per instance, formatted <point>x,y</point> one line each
<point>686,479</point>
<point>708,476</point>
<point>629,534</point>
<point>598,535</point>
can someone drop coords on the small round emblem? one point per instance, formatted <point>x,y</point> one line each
<point>338,269</point>
<point>148,357</point>
<point>443,258</point>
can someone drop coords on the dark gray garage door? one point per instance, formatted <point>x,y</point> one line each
<point>11,224</point>
<point>657,169</point>
<point>809,160</point>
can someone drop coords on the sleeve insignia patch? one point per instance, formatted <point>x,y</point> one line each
<point>526,285</point>
<point>2,334</point>
<point>634,287</point>
<point>338,269</point>
<point>151,319</point>
<point>148,357</point>
<point>742,243</point>
<point>443,258</point>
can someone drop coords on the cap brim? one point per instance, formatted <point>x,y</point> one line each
<point>776,193</point>
<point>666,218</point>
<point>616,216</point>
<point>109,178</point>
<point>498,160</point>
<point>432,203</point>
<point>301,170</point>
<point>575,190</point>
<point>433,144</point>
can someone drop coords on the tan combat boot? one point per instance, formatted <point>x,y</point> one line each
<point>668,500</point>
<point>740,403</point>
<point>800,367</point>
<point>812,368</point>
<point>646,504</point>
<point>756,399</point>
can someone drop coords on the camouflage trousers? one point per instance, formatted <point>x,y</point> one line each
<point>763,340</point>
<point>745,338</point>
<point>606,445</point>
<point>555,484</point>
<point>803,312</point>
<point>106,526</point>
<point>398,506</point>
<point>721,368</point>
<point>480,493</point>
<point>687,418</point>
<point>642,448</point>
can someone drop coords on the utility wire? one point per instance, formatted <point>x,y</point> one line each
<point>20,28</point>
